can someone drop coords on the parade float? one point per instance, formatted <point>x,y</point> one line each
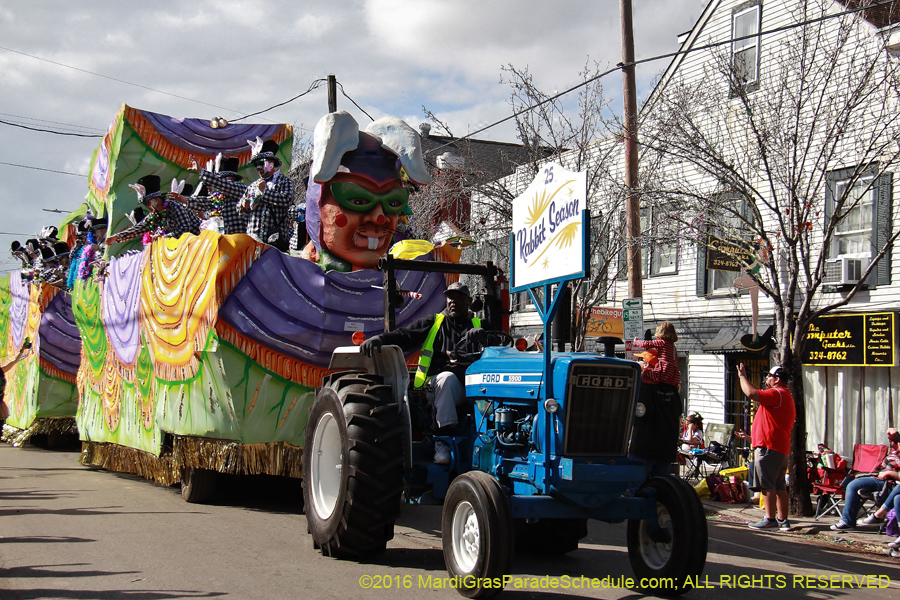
<point>201,355</point>
<point>41,388</point>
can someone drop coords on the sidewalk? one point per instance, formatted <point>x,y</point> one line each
<point>861,539</point>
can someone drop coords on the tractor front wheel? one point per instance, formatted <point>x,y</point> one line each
<point>677,549</point>
<point>477,535</point>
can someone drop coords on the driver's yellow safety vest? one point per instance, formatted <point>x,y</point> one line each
<point>427,351</point>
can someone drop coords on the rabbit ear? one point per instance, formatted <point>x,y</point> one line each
<point>197,190</point>
<point>255,147</point>
<point>139,189</point>
<point>218,161</point>
<point>176,186</point>
<point>209,166</point>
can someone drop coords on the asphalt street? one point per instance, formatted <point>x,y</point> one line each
<point>73,532</point>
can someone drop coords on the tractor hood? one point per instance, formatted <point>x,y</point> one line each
<point>507,373</point>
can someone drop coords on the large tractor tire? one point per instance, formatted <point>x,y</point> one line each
<point>549,537</point>
<point>197,485</point>
<point>676,550</point>
<point>353,466</point>
<point>477,534</point>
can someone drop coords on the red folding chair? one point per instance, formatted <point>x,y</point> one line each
<point>831,484</point>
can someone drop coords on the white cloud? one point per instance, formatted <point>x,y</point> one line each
<point>391,56</point>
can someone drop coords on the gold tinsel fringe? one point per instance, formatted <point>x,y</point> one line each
<point>45,425</point>
<point>199,453</point>
<point>224,456</point>
<point>123,459</point>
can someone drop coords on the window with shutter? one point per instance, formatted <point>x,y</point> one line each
<point>864,222</point>
<point>745,28</point>
<point>727,224</point>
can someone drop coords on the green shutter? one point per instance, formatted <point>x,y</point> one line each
<point>701,264</point>
<point>881,226</point>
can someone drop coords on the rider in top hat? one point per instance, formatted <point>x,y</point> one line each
<point>225,181</point>
<point>266,200</point>
<point>166,218</point>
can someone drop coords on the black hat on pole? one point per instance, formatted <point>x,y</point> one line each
<point>229,166</point>
<point>136,216</point>
<point>150,185</point>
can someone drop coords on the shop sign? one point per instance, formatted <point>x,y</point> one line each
<point>728,255</point>
<point>605,322</point>
<point>851,340</point>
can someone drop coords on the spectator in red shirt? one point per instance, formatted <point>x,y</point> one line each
<point>771,440</point>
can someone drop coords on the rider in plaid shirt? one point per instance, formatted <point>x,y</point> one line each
<point>171,217</point>
<point>229,183</point>
<point>268,198</point>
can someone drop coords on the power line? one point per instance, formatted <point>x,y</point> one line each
<point>315,84</point>
<point>353,101</point>
<point>51,122</point>
<point>53,62</point>
<point>85,135</point>
<point>42,169</point>
<point>622,66</point>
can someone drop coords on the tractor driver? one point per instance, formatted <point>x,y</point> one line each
<point>439,337</point>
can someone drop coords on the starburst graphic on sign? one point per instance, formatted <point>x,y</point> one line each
<point>566,235</point>
<point>538,206</point>
<point>546,263</point>
<point>563,239</point>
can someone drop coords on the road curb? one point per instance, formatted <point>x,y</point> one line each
<point>864,540</point>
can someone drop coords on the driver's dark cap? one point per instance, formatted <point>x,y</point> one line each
<point>458,287</point>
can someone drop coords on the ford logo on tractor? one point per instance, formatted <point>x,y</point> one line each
<point>605,382</point>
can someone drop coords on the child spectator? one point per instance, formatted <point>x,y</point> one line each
<point>666,368</point>
<point>693,433</point>
<point>654,440</point>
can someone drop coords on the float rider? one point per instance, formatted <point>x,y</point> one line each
<point>439,339</point>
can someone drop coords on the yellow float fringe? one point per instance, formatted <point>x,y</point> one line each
<point>45,425</point>
<point>221,456</point>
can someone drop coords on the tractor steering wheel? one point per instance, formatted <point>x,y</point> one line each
<point>491,338</point>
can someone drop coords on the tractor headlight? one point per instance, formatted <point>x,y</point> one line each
<point>551,405</point>
<point>640,410</point>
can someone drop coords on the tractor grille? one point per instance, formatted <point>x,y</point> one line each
<point>599,406</point>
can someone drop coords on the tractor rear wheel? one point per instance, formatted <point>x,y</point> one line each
<point>353,466</point>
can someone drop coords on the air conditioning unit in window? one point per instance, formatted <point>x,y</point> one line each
<point>844,271</point>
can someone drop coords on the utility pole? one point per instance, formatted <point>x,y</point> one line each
<point>632,200</point>
<point>332,93</point>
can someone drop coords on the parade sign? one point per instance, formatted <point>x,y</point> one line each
<point>851,340</point>
<point>548,236</point>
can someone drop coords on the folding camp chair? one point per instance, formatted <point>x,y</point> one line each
<point>832,484</point>
<point>719,448</point>
<point>688,461</point>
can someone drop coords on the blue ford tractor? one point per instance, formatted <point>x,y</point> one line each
<point>529,465</point>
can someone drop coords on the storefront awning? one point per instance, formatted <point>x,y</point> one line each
<point>727,340</point>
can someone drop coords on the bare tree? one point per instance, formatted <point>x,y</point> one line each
<point>552,131</point>
<point>786,164</point>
